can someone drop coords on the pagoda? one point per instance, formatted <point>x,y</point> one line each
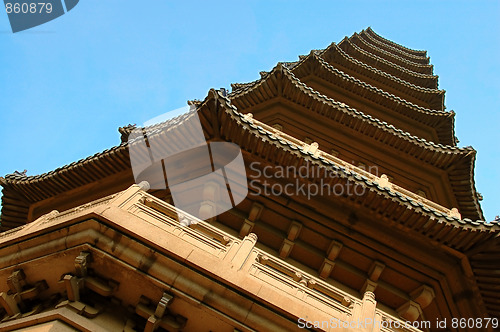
<point>361,215</point>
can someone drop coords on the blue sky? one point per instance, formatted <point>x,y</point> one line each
<point>66,86</point>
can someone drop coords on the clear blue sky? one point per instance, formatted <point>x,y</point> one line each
<point>66,86</point>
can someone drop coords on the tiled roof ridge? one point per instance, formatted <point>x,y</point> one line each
<point>379,91</point>
<point>391,55</point>
<point>394,49</point>
<point>386,191</point>
<point>237,86</point>
<point>390,42</point>
<point>381,72</point>
<point>35,178</point>
<point>358,114</point>
<point>389,63</point>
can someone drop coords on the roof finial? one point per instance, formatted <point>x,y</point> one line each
<point>125,131</point>
<point>23,173</point>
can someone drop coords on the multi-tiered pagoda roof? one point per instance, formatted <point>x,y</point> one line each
<point>365,101</point>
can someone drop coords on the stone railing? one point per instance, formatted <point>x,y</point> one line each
<point>242,254</point>
<point>200,234</point>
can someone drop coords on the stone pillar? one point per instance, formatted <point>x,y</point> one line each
<point>245,249</point>
<point>363,314</point>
